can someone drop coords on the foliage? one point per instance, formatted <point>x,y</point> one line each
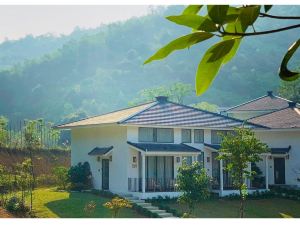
<point>290,90</point>
<point>206,106</point>
<point>80,176</point>
<point>194,183</point>
<point>229,24</point>
<point>175,92</point>
<point>46,180</point>
<point>16,206</point>
<point>3,131</point>
<point>90,207</point>
<point>258,180</point>
<point>61,175</point>
<point>239,149</point>
<point>116,204</point>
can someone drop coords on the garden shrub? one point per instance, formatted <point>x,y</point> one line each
<point>16,206</point>
<point>45,180</point>
<point>80,176</point>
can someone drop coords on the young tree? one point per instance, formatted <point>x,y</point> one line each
<point>3,131</point>
<point>61,175</point>
<point>229,24</point>
<point>194,183</point>
<point>239,149</point>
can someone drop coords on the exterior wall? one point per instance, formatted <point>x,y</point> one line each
<point>85,139</point>
<point>277,139</point>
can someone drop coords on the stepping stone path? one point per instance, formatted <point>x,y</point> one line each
<point>146,205</point>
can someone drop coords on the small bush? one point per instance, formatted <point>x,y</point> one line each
<point>45,180</point>
<point>61,176</point>
<point>16,206</point>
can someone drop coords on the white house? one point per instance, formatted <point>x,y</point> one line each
<point>138,150</point>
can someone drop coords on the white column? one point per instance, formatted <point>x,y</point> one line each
<point>267,172</point>
<point>221,177</point>
<point>143,173</point>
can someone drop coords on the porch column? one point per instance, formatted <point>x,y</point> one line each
<point>143,173</point>
<point>267,172</point>
<point>221,177</point>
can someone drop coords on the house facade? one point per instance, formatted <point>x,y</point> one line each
<point>138,150</point>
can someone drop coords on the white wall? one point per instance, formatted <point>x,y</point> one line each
<point>85,139</point>
<point>282,139</point>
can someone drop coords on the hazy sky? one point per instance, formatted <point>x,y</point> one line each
<point>18,21</point>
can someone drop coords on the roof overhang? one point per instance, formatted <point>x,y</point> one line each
<point>103,151</point>
<point>164,149</point>
<point>61,127</point>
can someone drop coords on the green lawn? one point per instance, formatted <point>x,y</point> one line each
<point>262,208</point>
<point>48,203</point>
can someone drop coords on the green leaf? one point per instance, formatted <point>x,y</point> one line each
<point>192,9</point>
<point>180,43</point>
<point>194,21</point>
<point>284,72</point>
<point>249,15</point>
<point>211,63</point>
<point>232,14</point>
<point>267,8</point>
<point>217,13</point>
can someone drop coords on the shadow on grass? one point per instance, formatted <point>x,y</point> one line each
<point>73,207</point>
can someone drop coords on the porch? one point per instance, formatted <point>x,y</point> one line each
<point>157,166</point>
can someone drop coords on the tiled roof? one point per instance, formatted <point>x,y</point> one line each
<point>273,150</point>
<point>112,117</point>
<point>153,147</point>
<point>163,113</point>
<point>267,102</point>
<point>284,118</point>
<point>280,150</point>
<point>173,114</point>
<point>100,151</point>
<point>213,146</point>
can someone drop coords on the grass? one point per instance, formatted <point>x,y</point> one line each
<point>48,203</point>
<point>261,208</point>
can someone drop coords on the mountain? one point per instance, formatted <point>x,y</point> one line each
<point>102,69</point>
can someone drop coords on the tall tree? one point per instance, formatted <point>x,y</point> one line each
<point>290,90</point>
<point>176,92</point>
<point>239,149</point>
<point>230,25</point>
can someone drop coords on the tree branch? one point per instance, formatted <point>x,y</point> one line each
<point>279,17</point>
<point>261,32</point>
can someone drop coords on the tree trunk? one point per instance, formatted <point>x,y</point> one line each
<point>33,179</point>
<point>242,206</point>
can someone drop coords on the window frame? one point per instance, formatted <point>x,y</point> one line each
<point>155,135</point>
<point>201,142</point>
<point>190,136</point>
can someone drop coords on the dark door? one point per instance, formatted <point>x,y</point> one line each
<point>105,174</point>
<point>279,170</point>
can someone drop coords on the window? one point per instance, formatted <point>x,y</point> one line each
<point>198,136</point>
<point>216,136</point>
<point>162,135</point>
<point>188,159</point>
<point>146,134</point>
<point>186,136</point>
<point>200,159</point>
<point>165,135</point>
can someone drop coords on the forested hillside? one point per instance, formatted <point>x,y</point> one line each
<point>102,69</point>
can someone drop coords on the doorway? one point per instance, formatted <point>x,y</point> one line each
<point>279,170</point>
<point>105,174</point>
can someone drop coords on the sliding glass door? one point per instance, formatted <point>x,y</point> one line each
<point>159,173</point>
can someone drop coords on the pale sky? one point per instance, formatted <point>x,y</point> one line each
<point>18,21</point>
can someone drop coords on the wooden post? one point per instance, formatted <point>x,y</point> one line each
<point>143,173</point>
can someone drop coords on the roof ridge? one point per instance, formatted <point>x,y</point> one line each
<point>269,113</point>
<point>217,114</point>
<point>134,114</point>
<point>103,114</point>
<point>244,103</point>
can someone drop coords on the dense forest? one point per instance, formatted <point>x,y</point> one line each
<point>95,71</point>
